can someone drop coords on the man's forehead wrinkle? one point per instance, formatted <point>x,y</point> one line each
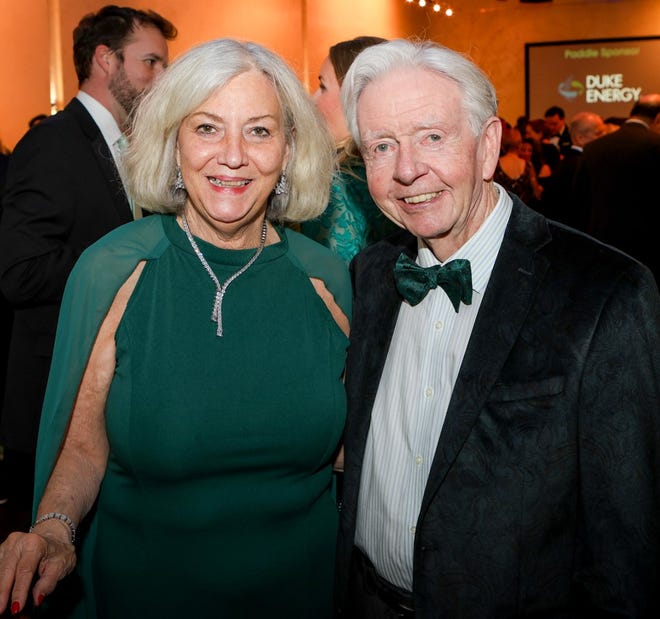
<point>420,109</point>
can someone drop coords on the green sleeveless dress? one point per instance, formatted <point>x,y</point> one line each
<point>217,500</point>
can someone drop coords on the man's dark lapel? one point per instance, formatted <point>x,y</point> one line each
<point>102,156</point>
<point>512,288</point>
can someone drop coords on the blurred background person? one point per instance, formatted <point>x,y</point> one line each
<point>527,151</point>
<point>559,133</point>
<point>515,173</point>
<point>521,124</point>
<point>544,151</point>
<point>64,192</point>
<point>205,424</point>
<point>351,220</point>
<point>617,182</point>
<point>651,100</point>
<point>613,123</point>
<point>585,127</point>
<point>559,201</point>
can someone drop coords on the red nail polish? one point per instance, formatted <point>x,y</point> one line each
<point>40,599</point>
<point>15,608</point>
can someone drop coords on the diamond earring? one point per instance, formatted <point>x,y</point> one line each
<point>178,183</point>
<point>282,186</point>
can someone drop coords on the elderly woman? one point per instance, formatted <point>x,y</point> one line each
<point>196,401</point>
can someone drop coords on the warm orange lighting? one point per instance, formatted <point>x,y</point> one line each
<point>449,12</point>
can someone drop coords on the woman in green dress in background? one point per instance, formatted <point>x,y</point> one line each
<point>196,404</point>
<point>351,221</point>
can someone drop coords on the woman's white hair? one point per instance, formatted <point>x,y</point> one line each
<point>479,98</point>
<point>150,162</point>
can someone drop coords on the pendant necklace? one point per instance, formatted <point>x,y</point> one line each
<point>216,314</point>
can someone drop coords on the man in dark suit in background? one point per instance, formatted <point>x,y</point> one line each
<point>502,445</point>
<point>63,192</point>
<point>558,200</point>
<point>555,122</point>
<point>617,181</point>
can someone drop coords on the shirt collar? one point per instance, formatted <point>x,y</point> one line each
<point>102,117</point>
<point>636,121</point>
<point>482,247</point>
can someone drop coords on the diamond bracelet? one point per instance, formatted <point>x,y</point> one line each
<point>57,516</point>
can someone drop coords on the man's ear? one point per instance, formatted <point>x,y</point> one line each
<point>103,58</point>
<point>489,146</point>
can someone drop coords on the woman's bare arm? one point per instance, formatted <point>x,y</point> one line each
<point>342,322</point>
<point>329,300</point>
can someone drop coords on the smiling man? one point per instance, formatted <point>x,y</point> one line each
<point>64,192</point>
<point>501,447</point>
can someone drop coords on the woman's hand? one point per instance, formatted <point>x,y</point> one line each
<point>48,555</point>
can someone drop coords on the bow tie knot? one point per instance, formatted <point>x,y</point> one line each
<point>413,281</point>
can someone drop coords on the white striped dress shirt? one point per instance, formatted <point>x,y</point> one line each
<point>422,364</point>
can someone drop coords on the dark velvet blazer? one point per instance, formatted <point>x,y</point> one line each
<point>63,193</point>
<point>543,498</point>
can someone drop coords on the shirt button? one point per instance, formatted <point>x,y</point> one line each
<point>419,460</point>
<point>438,325</point>
<point>429,392</point>
<point>412,529</point>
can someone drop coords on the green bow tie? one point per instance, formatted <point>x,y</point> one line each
<point>413,282</point>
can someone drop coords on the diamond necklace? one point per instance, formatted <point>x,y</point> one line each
<point>216,314</point>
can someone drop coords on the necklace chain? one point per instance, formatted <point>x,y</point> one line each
<point>221,289</point>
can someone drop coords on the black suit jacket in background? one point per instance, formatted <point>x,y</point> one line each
<point>558,199</point>
<point>565,141</point>
<point>62,193</point>
<point>617,180</point>
<point>543,498</point>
